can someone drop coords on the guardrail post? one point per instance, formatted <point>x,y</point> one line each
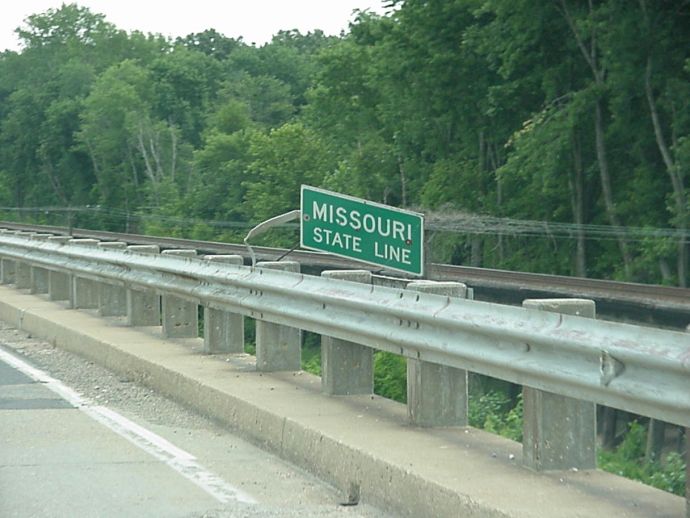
<point>223,331</point>
<point>22,270</point>
<point>22,275</point>
<point>58,282</point>
<point>39,280</point>
<point>143,306</point>
<point>112,299</point>
<point>436,394</point>
<point>8,269</point>
<point>39,276</point>
<point>180,317</point>
<point>84,291</point>
<point>559,432</point>
<point>278,347</point>
<point>346,368</point>
<point>7,266</point>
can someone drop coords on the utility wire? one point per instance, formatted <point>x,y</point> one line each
<point>453,222</point>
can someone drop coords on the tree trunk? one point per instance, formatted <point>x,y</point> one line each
<point>403,183</point>
<point>55,182</point>
<point>677,180</point>
<point>605,177</point>
<point>607,420</point>
<point>656,436</point>
<point>499,205</point>
<point>476,251</point>
<point>683,261</point>
<point>173,145</point>
<point>490,162</point>
<point>576,181</point>
<point>591,57</point>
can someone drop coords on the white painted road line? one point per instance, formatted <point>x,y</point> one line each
<point>181,461</point>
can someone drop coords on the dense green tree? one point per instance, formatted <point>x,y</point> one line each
<point>186,83</point>
<point>555,111</point>
<point>268,100</point>
<point>115,122</point>
<point>211,43</point>
<point>218,188</point>
<point>280,162</point>
<point>343,106</point>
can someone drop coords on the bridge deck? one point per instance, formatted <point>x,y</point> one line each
<point>362,441</point>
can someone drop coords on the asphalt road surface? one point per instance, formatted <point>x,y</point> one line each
<point>77,440</point>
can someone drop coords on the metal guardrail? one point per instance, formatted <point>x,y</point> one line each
<point>638,302</point>
<point>638,369</point>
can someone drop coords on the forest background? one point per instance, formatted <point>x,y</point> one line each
<point>549,136</point>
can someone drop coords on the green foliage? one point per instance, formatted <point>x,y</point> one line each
<point>5,194</point>
<point>495,412</point>
<point>211,43</point>
<point>70,25</point>
<point>250,336</point>
<point>311,353</point>
<point>312,364</point>
<point>280,162</point>
<point>481,106</point>
<point>628,460</point>
<point>390,376</point>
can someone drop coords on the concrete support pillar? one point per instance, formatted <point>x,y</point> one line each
<point>559,432</point>
<point>436,394</point>
<point>22,270</point>
<point>84,291</point>
<point>7,269</point>
<point>39,280</point>
<point>22,275</point>
<point>143,307</point>
<point>39,276</point>
<point>180,317</point>
<point>58,282</point>
<point>347,368</point>
<point>112,299</point>
<point>278,348</point>
<point>11,267</point>
<point>59,286</point>
<point>223,331</point>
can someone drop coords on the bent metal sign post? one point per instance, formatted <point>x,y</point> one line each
<point>362,230</point>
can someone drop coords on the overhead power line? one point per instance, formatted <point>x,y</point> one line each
<point>458,222</point>
<point>454,222</point>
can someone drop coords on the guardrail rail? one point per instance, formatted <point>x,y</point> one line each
<point>667,306</point>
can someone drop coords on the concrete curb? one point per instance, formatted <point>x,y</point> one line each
<point>360,444</point>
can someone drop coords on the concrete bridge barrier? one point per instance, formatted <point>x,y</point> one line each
<point>419,460</point>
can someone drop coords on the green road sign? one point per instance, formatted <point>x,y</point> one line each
<point>362,230</point>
